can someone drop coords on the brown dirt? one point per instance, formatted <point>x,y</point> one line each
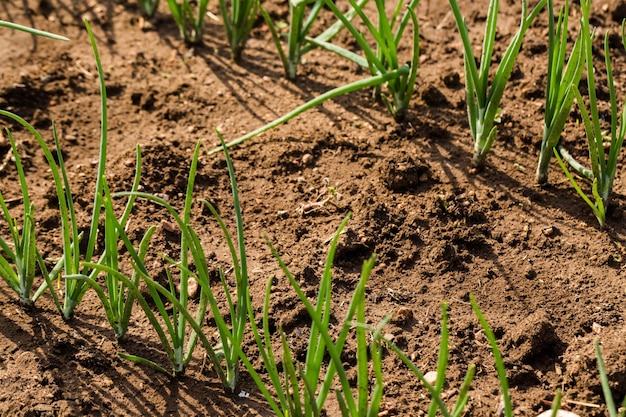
<point>547,278</point>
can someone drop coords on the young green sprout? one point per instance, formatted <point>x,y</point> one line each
<point>302,390</point>
<point>483,98</point>
<point>606,387</point>
<point>500,367</point>
<point>117,296</point>
<point>19,269</point>
<point>189,17</point>
<point>176,321</point>
<point>300,23</point>
<point>238,20</point>
<point>603,165</point>
<point>177,328</point>
<point>561,87</point>
<point>383,58</point>
<point>232,337</point>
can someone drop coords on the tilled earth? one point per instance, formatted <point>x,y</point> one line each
<point>547,278</point>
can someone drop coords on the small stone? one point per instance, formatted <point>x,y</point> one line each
<point>389,337</point>
<point>307,159</point>
<point>559,413</point>
<point>403,316</point>
<point>596,328</point>
<point>431,377</point>
<point>169,226</point>
<point>548,231</point>
<point>192,288</point>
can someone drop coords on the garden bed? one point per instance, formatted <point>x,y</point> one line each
<point>547,278</point>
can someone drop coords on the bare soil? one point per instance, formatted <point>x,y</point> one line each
<point>547,278</point>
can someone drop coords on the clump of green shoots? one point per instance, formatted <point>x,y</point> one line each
<point>442,364</point>
<point>383,58</point>
<point>483,99</point>
<point>19,269</point>
<point>174,333</point>
<point>189,17</point>
<point>72,290</point>
<point>300,23</point>
<point>120,294</point>
<point>231,336</point>
<point>561,87</point>
<point>603,165</point>
<point>238,21</point>
<point>302,390</point>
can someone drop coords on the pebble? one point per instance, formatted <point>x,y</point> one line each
<point>192,287</point>
<point>559,413</point>
<point>431,377</point>
<point>596,328</point>
<point>389,337</point>
<point>169,226</point>
<point>403,315</point>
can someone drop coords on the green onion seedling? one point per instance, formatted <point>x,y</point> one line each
<point>483,99</point>
<point>180,347</point>
<point>606,387</point>
<point>300,23</point>
<point>189,18</point>
<point>118,299</point>
<point>19,269</point>
<point>68,244</point>
<point>562,84</point>
<point>302,390</point>
<point>74,290</point>
<point>239,17</point>
<point>369,395</point>
<point>603,165</point>
<point>383,58</point>
<point>437,403</point>
<point>229,347</point>
<point>500,368</point>
<point>232,338</point>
